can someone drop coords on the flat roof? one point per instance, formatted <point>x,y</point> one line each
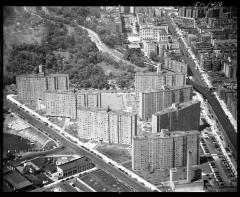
<point>17,180</point>
<point>167,89</point>
<point>105,110</point>
<point>156,74</point>
<point>168,134</point>
<point>178,107</point>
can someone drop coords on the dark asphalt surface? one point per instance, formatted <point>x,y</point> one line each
<point>96,160</point>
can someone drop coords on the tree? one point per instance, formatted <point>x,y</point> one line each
<point>154,57</point>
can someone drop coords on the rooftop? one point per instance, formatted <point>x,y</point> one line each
<point>17,180</point>
<point>74,162</point>
<point>167,89</point>
<point>177,107</point>
<point>165,134</point>
<point>155,74</point>
<point>104,110</point>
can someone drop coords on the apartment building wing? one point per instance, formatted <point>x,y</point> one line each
<point>148,81</point>
<point>30,87</point>
<point>57,82</point>
<point>153,101</point>
<point>106,126</point>
<point>61,104</point>
<point>160,151</point>
<point>184,117</point>
<point>114,128</point>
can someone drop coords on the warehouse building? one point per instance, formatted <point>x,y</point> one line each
<point>74,166</point>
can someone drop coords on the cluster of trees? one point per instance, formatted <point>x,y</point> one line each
<point>154,57</point>
<point>111,39</point>
<point>57,36</point>
<point>125,81</point>
<point>135,56</point>
<point>82,67</point>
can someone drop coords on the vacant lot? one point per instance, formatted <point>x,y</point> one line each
<point>118,153</point>
<point>101,181</point>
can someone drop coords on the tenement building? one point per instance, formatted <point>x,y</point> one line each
<point>106,125</point>
<point>31,87</point>
<point>61,104</point>
<point>180,117</point>
<point>149,81</point>
<point>164,150</point>
<point>153,101</point>
<point>175,66</point>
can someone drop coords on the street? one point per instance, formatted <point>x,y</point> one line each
<point>200,85</point>
<point>97,161</point>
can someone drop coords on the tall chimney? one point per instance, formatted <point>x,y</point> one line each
<point>189,166</point>
<point>40,68</point>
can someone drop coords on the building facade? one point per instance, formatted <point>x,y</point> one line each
<point>164,150</point>
<point>155,81</point>
<point>150,46</point>
<point>151,102</point>
<point>175,66</point>
<point>106,126</point>
<point>32,87</point>
<point>61,104</point>
<point>75,166</point>
<point>182,117</point>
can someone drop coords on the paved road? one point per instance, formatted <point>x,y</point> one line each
<point>200,85</point>
<point>98,161</point>
<point>221,116</point>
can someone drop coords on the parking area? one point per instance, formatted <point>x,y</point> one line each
<point>219,166</point>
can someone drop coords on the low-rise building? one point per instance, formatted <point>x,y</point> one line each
<point>74,166</point>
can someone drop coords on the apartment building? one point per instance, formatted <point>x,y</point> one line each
<point>31,87</point>
<point>155,81</point>
<point>230,69</point>
<point>61,104</point>
<point>165,150</point>
<point>151,101</point>
<point>162,35</point>
<point>150,46</point>
<point>175,66</point>
<point>155,33</point>
<point>106,126</point>
<point>182,117</point>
